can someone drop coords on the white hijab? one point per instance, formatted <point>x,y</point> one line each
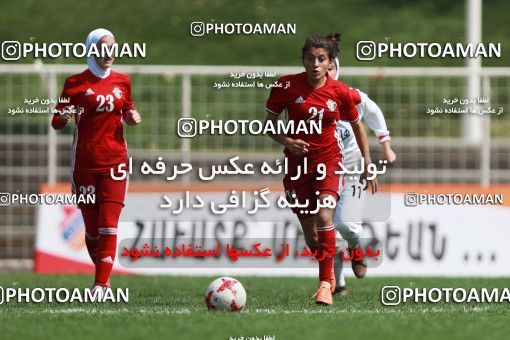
<point>337,74</point>
<point>93,38</point>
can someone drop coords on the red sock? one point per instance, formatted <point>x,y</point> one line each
<point>326,236</point>
<point>105,255</point>
<point>90,217</point>
<point>109,213</point>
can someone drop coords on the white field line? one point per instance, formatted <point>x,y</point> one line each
<point>184,311</point>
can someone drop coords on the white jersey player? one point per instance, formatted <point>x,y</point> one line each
<point>349,210</point>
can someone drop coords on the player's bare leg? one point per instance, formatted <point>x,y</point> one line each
<point>310,233</point>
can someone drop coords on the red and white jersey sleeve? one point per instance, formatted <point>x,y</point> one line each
<point>98,143</point>
<point>276,102</point>
<point>128,101</point>
<point>329,103</point>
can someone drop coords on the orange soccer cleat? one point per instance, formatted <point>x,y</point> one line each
<point>323,295</point>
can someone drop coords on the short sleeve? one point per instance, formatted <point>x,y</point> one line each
<point>348,111</point>
<point>355,95</point>
<point>128,99</point>
<point>66,94</point>
<point>275,104</point>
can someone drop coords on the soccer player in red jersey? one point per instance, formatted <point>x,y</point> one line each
<point>99,100</point>
<point>314,95</point>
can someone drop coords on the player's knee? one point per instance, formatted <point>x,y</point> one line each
<point>90,219</point>
<point>109,213</point>
<point>324,218</point>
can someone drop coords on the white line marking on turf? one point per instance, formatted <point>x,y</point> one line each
<point>183,311</point>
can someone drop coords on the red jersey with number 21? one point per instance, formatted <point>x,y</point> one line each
<point>331,102</point>
<point>100,103</point>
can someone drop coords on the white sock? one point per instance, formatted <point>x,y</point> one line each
<point>339,266</point>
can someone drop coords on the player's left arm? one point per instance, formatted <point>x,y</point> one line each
<point>129,113</point>
<point>350,113</point>
<point>361,139</point>
<point>374,118</point>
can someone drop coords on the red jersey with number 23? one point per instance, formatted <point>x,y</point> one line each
<point>100,104</point>
<point>330,103</point>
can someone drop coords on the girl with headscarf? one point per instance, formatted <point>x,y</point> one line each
<point>100,100</point>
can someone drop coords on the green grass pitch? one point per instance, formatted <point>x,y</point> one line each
<point>172,307</point>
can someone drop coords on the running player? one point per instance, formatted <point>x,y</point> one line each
<point>314,95</point>
<point>99,100</point>
<point>349,210</point>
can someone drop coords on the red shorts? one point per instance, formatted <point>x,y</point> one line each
<point>100,184</point>
<point>307,186</point>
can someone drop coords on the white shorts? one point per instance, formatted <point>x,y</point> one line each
<point>348,213</point>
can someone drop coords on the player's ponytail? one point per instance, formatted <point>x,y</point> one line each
<point>335,39</point>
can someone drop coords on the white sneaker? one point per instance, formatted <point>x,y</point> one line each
<point>98,292</point>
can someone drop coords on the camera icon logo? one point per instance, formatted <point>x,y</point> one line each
<point>187,127</point>
<point>391,295</point>
<point>365,50</point>
<point>11,50</point>
<point>411,199</point>
<point>5,199</point>
<point>197,28</point>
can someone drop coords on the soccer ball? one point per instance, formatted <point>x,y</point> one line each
<point>225,294</point>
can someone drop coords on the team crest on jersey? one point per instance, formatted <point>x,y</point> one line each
<point>117,92</point>
<point>331,105</point>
